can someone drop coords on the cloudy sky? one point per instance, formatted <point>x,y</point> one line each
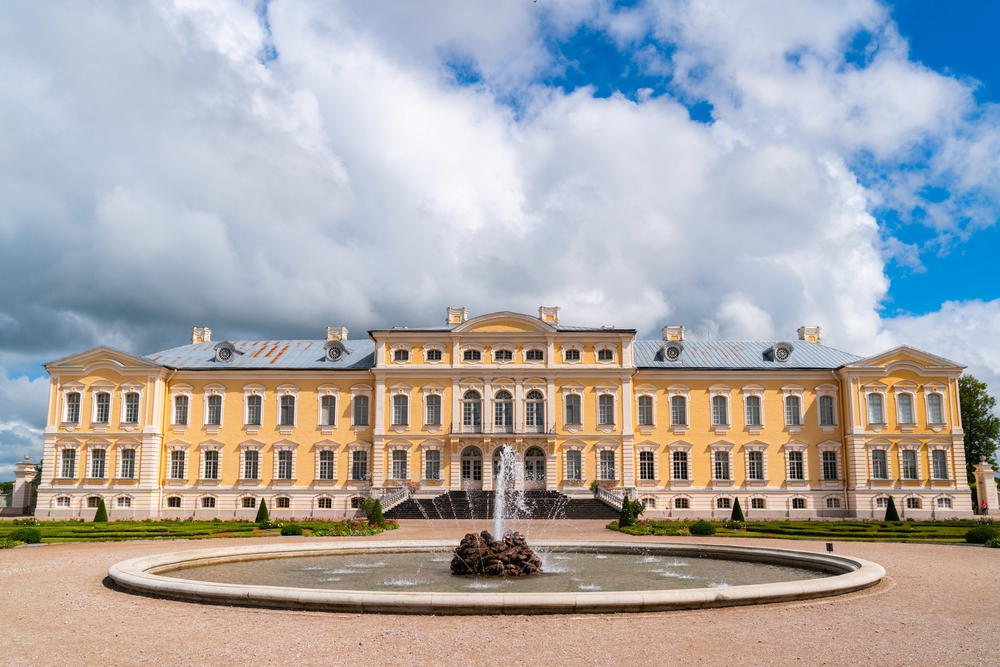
<point>271,168</point>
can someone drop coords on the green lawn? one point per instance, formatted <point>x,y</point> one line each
<point>75,531</point>
<point>865,531</point>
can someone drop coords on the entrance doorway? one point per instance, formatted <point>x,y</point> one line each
<point>472,469</point>
<point>534,469</point>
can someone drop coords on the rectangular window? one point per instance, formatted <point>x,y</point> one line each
<point>793,411</point>
<point>875,412</point>
<point>755,465</point>
<point>255,406</point>
<point>131,408</point>
<point>211,470</point>
<point>758,504</point>
<point>287,416</point>
<point>432,464</point>
<point>73,407</point>
<point>880,465</point>
<point>359,465</point>
<point>904,408</point>
<point>361,411</point>
<point>830,468</point>
<point>400,410</point>
<point>176,464</point>
<point>605,409</point>
<point>103,408</point>
<point>213,416</point>
<point>753,410</point>
<point>326,465</point>
<point>909,461</point>
<point>721,465</point>
<point>796,465</point>
<point>939,464</point>
<point>645,410</point>
<point>720,413</point>
<point>680,465</point>
<point>180,410</point>
<point>573,409</point>
<point>647,466</point>
<point>68,463</point>
<point>399,464</point>
<point>126,468</point>
<point>98,461</point>
<point>607,464</point>
<point>284,464</point>
<point>678,411</point>
<point>826,416</point>
<point>174,502</point>
<point>574,465</point>
<point>433,405</point>
<point>935,413</point>
<point>251,464</point>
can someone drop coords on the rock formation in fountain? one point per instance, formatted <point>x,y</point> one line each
<point>481,554</point>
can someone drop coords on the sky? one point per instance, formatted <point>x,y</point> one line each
<point>272,168</point>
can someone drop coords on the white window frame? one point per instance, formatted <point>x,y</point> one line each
<point>399,418</point>
<point>126,390</point>
<point>279,448</point>
<point>393,450</point>
<point>66,390</point>
<point>533,348</point>
<point>436,348</point>
<point>613,394</point>
<point>566,347</point>
<point>106,459</point>
<point>400,350</point>
<point>934,447</point>
<point>325,392</point>
<point>911,394</point>
<point>503,348</point>
<point>801,451</point>
<point>283,391</point>
<point>253,390</point>
<point>365,392</point>
<point>720,392</point>
<point>684,448</point>
<point>606,347</point>
<point>578,450</point>
<point>426,450</point>
<point>184,450</point>
<point>789,392</point>
<point>881,392</point>
<point>322,448</point>
<point>204,448</point>
<point>578,392</point>
<point>726,450</point>
<point>60,448</point>
<point>209,391</point>
<point>120,461</point>
<point>471,348</point>
<point>94,393</point>
<point>753,391</point>
<point>884,448</point>
<point>908,447</point>
<point>683,392</point>
<point>939,391</point>
<point>762,449</point>
<point>187,392</point>
<point>439,395</point>
<point>600,452</point>
<point>650,393</point>
<point>250,446</point>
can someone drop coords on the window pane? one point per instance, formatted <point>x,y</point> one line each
<point>796,465</point>
<point>69,463</point>
<point>73,407</point>
<point>574,465</point>
<point>934,408</point>
<point>251,464</point>
<point>880,469</point>
<point>605,409</point>
<point>103,408</point>
<point>721,465</point>
<point>214,416</point>
<point>875,415</point>
<point>573,409</point>
<point>328,410</point>
<point>131,408</point>
<point>719,412</point>
<point>905,404</point>
<point>909,458</point>
<point>433,410</point>
<point>830,465</point>
<point>792,412</point>
<point>826,411</point>
<point>181,410</point>
<point>646,410</point>
<point>939,460</point>
<point>98,459</point>
<point>287,411</point>
<point>432,464</point>
<point>361,411</point>
<point>678,410</point>
<point>753,411</point>
<point>127,470</point>
<point>647,466</point>
<point>680,465</point>
<point>400,410</point>
<point>359,465</point>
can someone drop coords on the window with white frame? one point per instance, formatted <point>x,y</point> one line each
<point>248,503</point>
<point>571,355</point>
<point>432,464</point>
<point>606,461</point>
<point>177,461</point>
<point>251,464</point>
<point>605,354</point>
<point>649,502</point>
<point>503,356</point>
<point>503,411</point>
<point>432,407</point>
<point>827,416</point>
<point>400,356</point>
<point>720,465</point>
<point>723,503</point>
<point>679,466</point>
<point>399,464</point>
<point>534,355</point>
<point>534,411</point>
<point>255,409</point>
<point>98,463</point>
<point>123,502</point>
<point>793,411</point>
<point>720,412</point>
<point>213,413</point>
<point>758,503</point>
<point>181,404</point>
<point>939,464</point>
<point>68,463</point>
<point>831,471</point>
<point>400,410</point>
<point>753,413</point>
<point>574,465</point>
<point>324,503</point>
<point>360,411</point>
<point>72,407</point>
<point>359,465</point>
<point>908,461</point>
<point>880,464</point>
<point>796,465</point>
<point>645,410</point>
<point>126,463</point>
<point>102,407</point>
<point>881,503</point>
<point>647,465</point>
<point>904,408</point>
<point>935,412</point>
<point>573,404</point>
<point>328,410</point>
<point>913,503</point>
<point>285,464</point>
<point>605,410</point>
<point>326,464</point>
<point>682,503</point>
<point>833,503</point>
<point>433,354</point>
<point>755,465</point>
<point>876,411</point>
<point>944,503</point>
<point>210,464</point>
<point>131,408</point>
<point>798,503</point>
<point>283,502</point>
<point>93,501</point>
<point>287,410</point>
<point>472,356</point>
<point>472,410</point>
<point>174,502</point>
<point>678,411</point>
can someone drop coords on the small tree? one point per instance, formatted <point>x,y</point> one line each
<point>980,423</point>
<point>262,514</point>
<point>890,511</point>
<point>737,514</point>
<point>372,507</point>
<point>102,512</point>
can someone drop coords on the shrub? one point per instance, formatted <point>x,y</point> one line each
<point>7,543</point>
<point>372,507</point>
<point>994,543</point>
<point>26,535</point>
<point>733,524</point>
<point>981,534</point>
<point>291,529</point>
<point>267,525</point>
<point>262,515</point>
<point>702,528</point>
<point>737,514</point>
<point>890,511</point>
<point>25,522</point>
<point>102,512</point>
<point>594,486</point>
<point>630,511</point>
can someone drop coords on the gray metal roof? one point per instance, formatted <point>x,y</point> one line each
<point>273,354</point>
<point>740,354</point>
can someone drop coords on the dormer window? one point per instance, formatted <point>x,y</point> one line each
<point>781,352</point>
<point>572,354</point>
<point>672,350</point>
<point>401,356</point>
<point>334,350</point>
<point>503,356</point>
<point>225,352</point>
<point>472,355</point>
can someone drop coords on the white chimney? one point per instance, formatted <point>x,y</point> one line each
<point>673,332</point>
<point>456,315</point>
<point>549,314</point>
<point>201,335</point>
<point>336,333</point>
<point>811,334</point>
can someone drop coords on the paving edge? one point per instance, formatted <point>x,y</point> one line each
<point>144,575</point>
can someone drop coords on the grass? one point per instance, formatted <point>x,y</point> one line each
<point>114,531</point>
<point>863,531</point>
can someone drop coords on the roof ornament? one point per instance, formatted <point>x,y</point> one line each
<point>672,349</point>
<point>780,351</point>
<point>334,350</point>
<point>225,351</point>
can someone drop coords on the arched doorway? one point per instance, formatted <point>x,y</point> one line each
<point>534,469</point>
<point>472,469</point>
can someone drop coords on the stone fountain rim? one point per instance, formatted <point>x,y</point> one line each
<point>142,574</point>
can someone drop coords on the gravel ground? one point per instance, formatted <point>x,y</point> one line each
<point>939,605</point>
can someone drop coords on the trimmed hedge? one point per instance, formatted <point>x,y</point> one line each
<point>26,535</point>
<point>702,528</point>
<point>291,529</point>
<point>981,534</point>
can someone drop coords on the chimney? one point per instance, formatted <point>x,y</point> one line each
<point>673,332</point>
<point>811,334</point>
<point>456,315</point>
<point>336,333</point>
<point>549,314</point>
<point>201,335</point>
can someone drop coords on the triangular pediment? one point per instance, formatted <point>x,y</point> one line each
<point>906,355</point>
<point>504,322</point>
<point>103,355</point>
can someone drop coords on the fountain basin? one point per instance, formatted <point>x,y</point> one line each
<point>153,574</point>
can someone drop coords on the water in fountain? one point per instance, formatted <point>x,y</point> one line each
<point>508,498</point>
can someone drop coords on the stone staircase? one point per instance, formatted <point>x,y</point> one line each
<point>480,504</point>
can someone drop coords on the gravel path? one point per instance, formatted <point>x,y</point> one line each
<point>939,605</point>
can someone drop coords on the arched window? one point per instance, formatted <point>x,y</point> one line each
<point>605,410</point>
<point>255,404</point>
<point>359,465</point>
<point>432,404</point>
<point>251,464</point>
<point>939,464</point>
<point>679,467</point>
<point>682,503</point>
<point>102,409</point>
<point>502,356</point>
<point>131,408</point>
<point>213,415</point>
<point>472,355</point>
<point>876,415</point>
<point>755,465</point>
<point>826,414</point>
<point>753,411</point>
<point>73,407</point>
<point>649,502</point>
<point>326,464</point>
<point>574,465</point>
<point>181,410</point>
<point>472,411</point>
<point>534,411</point>
<point>645,410</point>
<point>401,356</point>
<point>328,410</point>
<point>678,411</point>
<point>399,467</point>
<point>798,503</point>
<point>360,411</point>
<point>647,465</point>
<point>400,410</point>
<point>573,415</point>
<point>285,464</point>
<point>935,414</point>
<point>793,411</point>
<point>606,460</point>
<point>720,412</point>
<point>605,354</point>
<point>904,408</point>
<point>720,465</point>
<point>503,411</point>
<point>287,410</point>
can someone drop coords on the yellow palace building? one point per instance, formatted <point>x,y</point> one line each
<point>790,428</point>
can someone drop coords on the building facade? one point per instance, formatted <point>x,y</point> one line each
<point>791,428</point>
